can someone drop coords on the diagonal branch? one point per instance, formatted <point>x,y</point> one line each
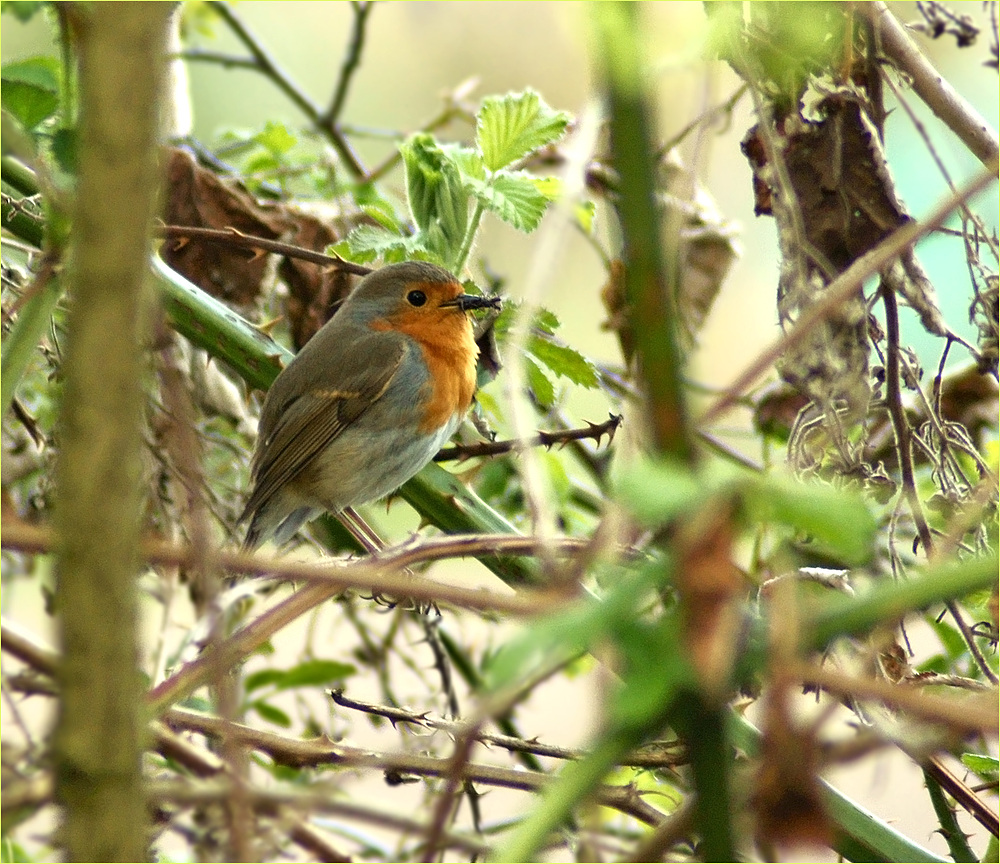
<point>843,288</point>
<point>931,86</point>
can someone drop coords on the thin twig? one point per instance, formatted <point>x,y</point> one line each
<point>931,86</point>
<point>351,62</point>
<point>904,454</point>
<point>972,715</point>
<point>651,756</point>
<point>270,68</point>
<point>257,245</point>
<point>299,753</point>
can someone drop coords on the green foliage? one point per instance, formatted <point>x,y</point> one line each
<point>31,90</point>
<point>309,674</point>
<point>838,522</point>
<point>986,767</point>
<point>450,186</point>
<point>510,127</point>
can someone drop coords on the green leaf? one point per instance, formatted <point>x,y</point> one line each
<point>368,242</point>
<point>658,491</point>
<point>272,714</point>
<point>467,160</point>
<point>509,127</point>
<point>435,192</point>
<point>538,381</point>
<point>838,520</point>
<point>951,639</point>
<point>41,72</point>
<point>65,145</point>
<point>10,851</point>
<point>584,212</point>
<point>275,138</point>
<point>23,10</point>
<point>513,197</point>
<point>30,90</point>
<point>565,361</point>
<point>262,678</point>
<point>987,767</point>
<point>547,321</point>
<point>316,673</point>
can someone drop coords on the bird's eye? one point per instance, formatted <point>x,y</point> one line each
<point>416,298</point>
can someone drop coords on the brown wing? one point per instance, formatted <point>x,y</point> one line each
<point>295,430</point>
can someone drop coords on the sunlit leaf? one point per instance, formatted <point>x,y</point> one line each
<point>509,127</point>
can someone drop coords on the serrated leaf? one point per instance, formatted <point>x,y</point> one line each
<point>550,187</point>
<point>509,127</point>
<point>272,714</point>
<point>467,160</point>
<point>315,673</point>
<point>538,381</point>
<point>547,321</point>
<point>368,242</point>
<point>384,219</point>
<point>514,197</point>
<point>565,361</point>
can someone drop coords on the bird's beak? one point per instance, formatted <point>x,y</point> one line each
<point>465,302</point>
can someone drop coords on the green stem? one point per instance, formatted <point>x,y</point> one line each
<point>576,781</point>
<point>892,600</point>
<point>704,727</point>
<point>22,341</point>
<point>458,264</point>
<point>948,826</point>
<point>859,835</point>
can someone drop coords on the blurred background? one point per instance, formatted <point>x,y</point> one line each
<point>417,52</point>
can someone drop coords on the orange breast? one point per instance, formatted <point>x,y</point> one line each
<point>450,352</point>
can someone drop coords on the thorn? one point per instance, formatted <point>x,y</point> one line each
<point>267,326</point>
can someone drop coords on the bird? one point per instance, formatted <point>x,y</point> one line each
<point>367,402</point>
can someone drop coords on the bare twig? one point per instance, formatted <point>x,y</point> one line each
<point>361,9</point>
<point>269,67</point>
<point>657,755</point>
<point>969,716</point>
<point>298,753</point>
<point>931,86</point>
<point>259,245</point>
<point>900,425</point>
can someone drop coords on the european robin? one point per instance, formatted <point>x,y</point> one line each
<point>368,400</point>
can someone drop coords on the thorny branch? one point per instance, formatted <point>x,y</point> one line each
<point>652,756</point>
<point>594,431</point>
